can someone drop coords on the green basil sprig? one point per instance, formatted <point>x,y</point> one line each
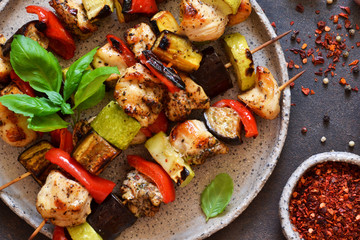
<point>33,64</point>
<point>217,195</point>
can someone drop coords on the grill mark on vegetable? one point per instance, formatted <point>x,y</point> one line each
<point>250,70</point>
<point>164,43</point>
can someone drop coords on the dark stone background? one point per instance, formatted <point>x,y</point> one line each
<point>260,220</point>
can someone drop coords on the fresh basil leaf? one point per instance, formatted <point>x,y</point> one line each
<point>75,72</point>
<point>28,106</point>
<point>66,108</point>
<point>47,123</point>
<point>217,195</point>
<point>93,100</point>
<point>55,97</point>
<point>33,64</point>
<point>91,82</point>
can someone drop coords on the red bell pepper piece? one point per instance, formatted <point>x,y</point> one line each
<point>155,173</point>
<point>62,138</point>
<point>171,86</point>
<point>99,188</point>
<point>141,6</point>
<point>22,85</point>
<point>146,131</point>
<point>160,125</point>
<point>60,40</point>
<point>247,118</point>
<point>121,47</point>
<point>59,233</point>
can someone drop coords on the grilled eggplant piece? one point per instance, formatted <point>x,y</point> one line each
<point>179,51</point>
<point>108,56</point>
<point>140,38</point>
<point>96,9</point>
<point>73,14</point>
<point>224,123</point>
<point>161,150</point>
<point>13,127</point>
<point>81,129</point>
<point>33,159</point>
<point>212,75</point>
<point>195,142</point>
<point>180,104</point>
<point>115,126</point>
<point>111,217</point>
<point>241,59</point>
<point>140,194</point>
<point>94,153</point>
<point>164,20</point>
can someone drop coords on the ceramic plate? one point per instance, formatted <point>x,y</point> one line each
<point>3,3</point>
<point>249,164</point>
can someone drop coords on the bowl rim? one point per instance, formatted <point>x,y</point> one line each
<point>286,225</point>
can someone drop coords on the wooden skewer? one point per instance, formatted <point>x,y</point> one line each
<point>15,180</point>
<point>282,87</point>
<point>37,230</point>
<point>264,45</point>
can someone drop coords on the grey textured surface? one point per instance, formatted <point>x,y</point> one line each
<point>261,220</point>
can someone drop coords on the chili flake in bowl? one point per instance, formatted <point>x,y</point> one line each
<point>321,199</point>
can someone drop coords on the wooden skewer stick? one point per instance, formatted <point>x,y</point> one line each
<point>15,180</point>
<point>37,230</point>
<point>264,45</point>
<point>270,42</point>
<point>282,87</point>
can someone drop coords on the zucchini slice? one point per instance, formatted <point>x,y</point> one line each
<point>83,232</point>
<point>115,126</point>
<point>94,153</point>
<point>164,20</point>
<point>96,9</point>
<point>179,51</point>
<point>161,150</point>
<point>241,59</point>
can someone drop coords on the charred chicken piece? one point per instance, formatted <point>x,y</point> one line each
<point>181,103</point>
<point>264,98</point>
<point>201,22</point>
<point>63,201</point>
<point>192,139</point>
<point>73,14</point>
<point>140,38</point>
<point>141,195</point>
<point>140,94</point>
<point>13,127</point>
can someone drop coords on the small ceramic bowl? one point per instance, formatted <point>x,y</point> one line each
<point>287,226</point>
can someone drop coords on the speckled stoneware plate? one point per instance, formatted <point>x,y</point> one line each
<point>249,164</point>
<point>3,3</point>
<point>287,226</point>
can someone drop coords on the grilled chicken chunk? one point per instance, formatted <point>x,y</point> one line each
<point>13,127</point>
<point>140,94</point>
<point>108,56</point>
<point>192,139</point>
<point>141,195</point>
<point>264,98</point>
<point>201,22</point>
<point>73,14</point>
<point>140,38</point>
<point>63,201</point>
<point>181,103</point>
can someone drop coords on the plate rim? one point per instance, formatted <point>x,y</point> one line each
<point>274,156</point>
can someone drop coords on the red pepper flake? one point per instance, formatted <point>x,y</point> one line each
<point>292,85</point>
<point>347,9</point>
<point>273,24</point>
<point>357,27</point>
<point>317,11</point>
<point>291,64</point>
<point>355,89</point>
<point>344,15</point>
<point>298,40</point>
<point>318,60</point>
<point>358,44</point>
<point>324,203</point>
<point>321,25</point>
<point>299,8</point>
<point>293,104</point>
<point>312,92</point>
<point>336,19</point>
<point>348,24</point>
<point>305,91</point>
<point>342,81</point>
<point>291,23</point>
<point>354,63</point>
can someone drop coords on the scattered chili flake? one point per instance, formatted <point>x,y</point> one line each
<point>292,85</point>
<point>355,69</point>
<point>354,63</point>
<point>303,130</point>
<point>291,23</point>
<point>273,24</point>
<point>358,44</point>
<point>347,9</point>
<point>348,24</point>
<point>324,203</point>
<point>298,40</point>
<point>327,29</point>
<point>321,25</point>
<point>344,15</point>
<point>299,8</point>
<point>293,104</point>
<point>296,66</point>
<point>338,27</point>
<point>318,60</point>
<point>342,81</point>
<point>312,92</point>
<point>305,91</point>
<point>304,46</point>
<point>304,61</point>
<point>336,19</point>
<point>357,27</point>
<point>355,89</point>
<point>291,64</point>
